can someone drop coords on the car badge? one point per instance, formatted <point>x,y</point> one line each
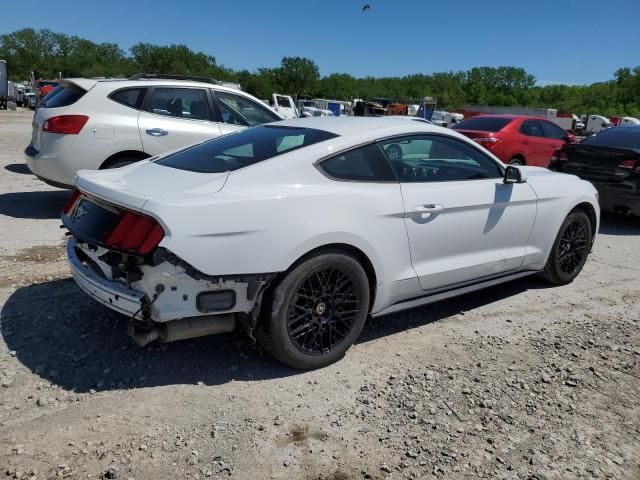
<point>80,212</point>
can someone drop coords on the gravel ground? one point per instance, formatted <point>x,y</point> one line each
<point>520,381</point>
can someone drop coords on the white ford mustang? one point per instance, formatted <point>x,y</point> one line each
<point>298,230</point>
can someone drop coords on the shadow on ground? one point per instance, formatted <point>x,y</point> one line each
<point>36,205</point>
<point>612,224</point>
<point>18,168</point>
<point>68,339</point>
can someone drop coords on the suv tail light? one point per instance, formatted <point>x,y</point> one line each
<point>135,233</point>
<point>71,202</point>
<point>65,124</point>
<point>487,142</point>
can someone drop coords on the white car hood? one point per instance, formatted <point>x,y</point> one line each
<point>132,186</point>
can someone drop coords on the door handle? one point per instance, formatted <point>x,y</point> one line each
<point>157,132</point>
<point>525,142</point>
<point>427,209</point>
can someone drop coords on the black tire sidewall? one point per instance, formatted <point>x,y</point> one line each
<point>285,349</point>
<point>121,162</point>
<point>516,161</point>
<point>565,277</point>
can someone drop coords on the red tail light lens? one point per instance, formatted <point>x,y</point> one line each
<point>559,156</point>
<point>487,142</point>
<point>135,233</point>
<point>71,202</point>
<point>65,124</point>
<point>630,165</point>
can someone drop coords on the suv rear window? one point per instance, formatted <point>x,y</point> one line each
<point>485,124</point>
<point>63,96</point>
<point>131,97</point>
<point>244,148</point>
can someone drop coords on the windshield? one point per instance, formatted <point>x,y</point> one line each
<point>485,124</point>
<point>621,137</point>
<point>244,148</point>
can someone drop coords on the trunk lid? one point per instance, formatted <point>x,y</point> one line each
<point>132,186</point>
<point>598,163</point>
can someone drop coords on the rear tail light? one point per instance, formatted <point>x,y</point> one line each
<point>71,202</point>
<point>630,165</point>
<point>65,124</point>
<point>558,158</point>
<point>487,142</point>
<point>135,233</point>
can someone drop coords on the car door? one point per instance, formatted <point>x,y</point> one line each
<point>556,138</point>
<point>237,112</point>
<point>174,117</point>
<point>535,143</point>
<point>463,222</point>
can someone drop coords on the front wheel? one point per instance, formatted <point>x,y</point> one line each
<point>516,161</point>
<point>570,249</point>
<point>316,312</point>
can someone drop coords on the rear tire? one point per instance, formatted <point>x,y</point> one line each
<point>570,249</point>
<point>316,312</point>
<point>516,161</point>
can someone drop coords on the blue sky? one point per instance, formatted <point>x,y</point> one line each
<point>559,41</point>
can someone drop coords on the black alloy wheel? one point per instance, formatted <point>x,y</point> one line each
<point>323,310</point>
<point>570,249</point>
<point>317,311</point>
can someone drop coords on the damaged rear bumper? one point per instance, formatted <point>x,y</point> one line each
<point>114,295</point>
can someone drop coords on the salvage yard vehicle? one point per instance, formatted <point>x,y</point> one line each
<point>516,139</point>
<point>284,105</point>
<point>101,124</point>
<point>611,161</point>
<point>296,231</point>
<point>595,124</point>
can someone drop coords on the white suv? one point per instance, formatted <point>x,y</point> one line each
<point>97,124</point>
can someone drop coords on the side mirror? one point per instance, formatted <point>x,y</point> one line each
<point>570,138</point>
<point>513,174</point>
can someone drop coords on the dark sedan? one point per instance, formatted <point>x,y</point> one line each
<point>611,161</point>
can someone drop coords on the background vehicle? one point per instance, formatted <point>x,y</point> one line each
<point>518,140</point>
<point>595,124</point>
<point>297,230</point>
<point>567,121</point>
<point>473,110</point>
<point>4,85</point>
<point>284,105</point>
<point>611,161</point>
<point>627,121</point>
<point>30,100</point>
<point>97,124</point>
<point>446,119</point>
<point>43,87</point>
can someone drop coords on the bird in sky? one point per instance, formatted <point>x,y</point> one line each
<point>366,8</point>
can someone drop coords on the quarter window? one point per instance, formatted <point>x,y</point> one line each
<point>437,159</point>
<point>531,128</point>
<point>189,103</point>
<point>551,130</point>
<point>365,164</point>
<point>237,110</point>
<point>131,97</point>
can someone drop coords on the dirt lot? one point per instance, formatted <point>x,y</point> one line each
<point>517,382</point>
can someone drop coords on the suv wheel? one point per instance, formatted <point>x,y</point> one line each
<point>317,311</point>
<point>570,249</point>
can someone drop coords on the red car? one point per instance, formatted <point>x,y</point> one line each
<point>517,139</point>
<point>43,87</point>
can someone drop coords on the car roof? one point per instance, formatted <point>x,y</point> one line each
<point>512,116</point>
<point>88,83</point>
<point>352,125</point>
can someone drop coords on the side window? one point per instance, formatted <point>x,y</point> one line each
<point>189,103</point>
<point>238,110</point>
<point>551,130</point>
<point>131,97</point>
<point>437,159</point>
<point>364,164</point>
<point>531,128</point>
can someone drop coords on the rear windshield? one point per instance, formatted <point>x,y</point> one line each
<point>485,124</point>
<point>622,137</point>
<point>63,96</point>
<point>244,148</point>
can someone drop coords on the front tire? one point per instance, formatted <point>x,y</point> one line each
<point>570,249</point>
<point>516,161</point>
<point>316,312</point>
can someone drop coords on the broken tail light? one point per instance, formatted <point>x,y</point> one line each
<point>135,233</point>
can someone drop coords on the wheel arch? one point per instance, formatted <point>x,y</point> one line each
<point>137,154</point>
<point>590,210</point>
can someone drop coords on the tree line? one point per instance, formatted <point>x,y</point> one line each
<point>49,54</point>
